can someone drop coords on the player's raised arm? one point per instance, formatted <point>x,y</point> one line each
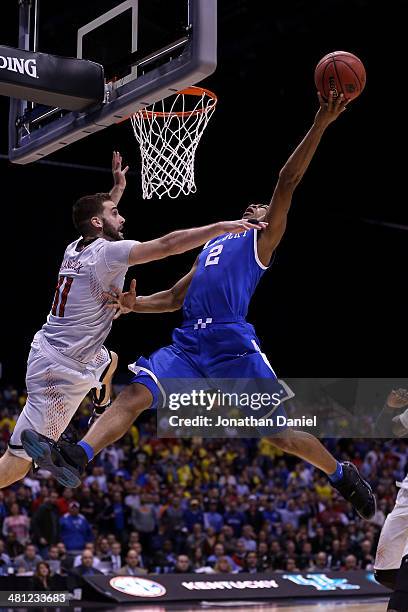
<point>119,178</point>
<point>291,175</point>
<point>186,240</point>
<point>163,301</point>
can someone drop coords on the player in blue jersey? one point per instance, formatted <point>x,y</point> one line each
<point>215,341</point>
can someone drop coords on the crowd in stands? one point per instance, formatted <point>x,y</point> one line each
<point>150,505</point>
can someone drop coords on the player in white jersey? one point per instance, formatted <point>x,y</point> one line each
<point>67,357</point>
<point>391,561</point>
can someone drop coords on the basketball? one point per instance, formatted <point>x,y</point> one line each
<point>340,72</point>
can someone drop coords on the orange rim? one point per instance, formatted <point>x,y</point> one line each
<point>189,91</point>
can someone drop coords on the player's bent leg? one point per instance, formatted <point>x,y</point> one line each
<point>253,364</point>
<point>392,545</point>
<point>12,468</point>
<point>307,447</point>
<point>116,421</point>
<point>350,484</point>
<point>67,461</point>
<point>399,599</point>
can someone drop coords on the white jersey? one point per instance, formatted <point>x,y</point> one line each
<point>79,323</point>
<point>402,497</point>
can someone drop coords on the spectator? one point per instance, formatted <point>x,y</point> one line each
<point>67,561</point>
<point>53,560</point>
<point>104,550</point>
<point>45,527</point>
<point>277,555</point>
<point>193,515</point>
<point>196,538</point>
<point>270,513</point>
<point>3,555</point>
<point>251,563</point>
<point>17,523</point>
<point>143,519</point>
<point>291,514</point>
<point>183,565</point>
<point>223,566</point>
<point>234,518</point>
<point>5,561</point>
<point>218,553</point>
<point>306,556</point>
<point>253,516</point>
<point>173,516</point>
<point>75,529</point>
<point>249,538</point>
<point>89,503</point>
<point>264,557</point>
<point>164,560</point>
<point>116,557</point>
<point>42,579</point>
<point>119,514</point>
<point>350,563</point>
<point>27,562</point>
<point>366,557</point>
<point>239,555</point>
<point>99,477</point>
<point>290,565</point>
<point>321,562</point>
<point>212,518</point>
<point>198,559</point>
<point>132,567</point>
<point>86,567</point>
<point>64,500</point>
<point>336,558</point>
<point>319,541</point>
<point>226,537</point>
<point>209,541</point>
<point>104,556</point>
<point>90,546</point>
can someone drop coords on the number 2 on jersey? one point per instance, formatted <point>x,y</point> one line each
<point>213,256</point>
<point>61,295</point>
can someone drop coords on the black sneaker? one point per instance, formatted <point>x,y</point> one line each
<point>65,461</point>
<point>356,491</point>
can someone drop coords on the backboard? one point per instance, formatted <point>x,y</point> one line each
<point>149,50</point>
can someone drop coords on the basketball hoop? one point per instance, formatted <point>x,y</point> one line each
<point>168,133</point>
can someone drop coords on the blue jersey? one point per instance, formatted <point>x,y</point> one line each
<point>227,274</point>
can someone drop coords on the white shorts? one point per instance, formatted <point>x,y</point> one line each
<point>393,542</point>
<point>56,385</point>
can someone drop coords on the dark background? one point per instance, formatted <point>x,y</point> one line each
<point>334,303</point>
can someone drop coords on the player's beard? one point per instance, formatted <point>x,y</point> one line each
<point>111,232</point>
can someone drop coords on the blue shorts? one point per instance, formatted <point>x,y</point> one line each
<point>204,349</point>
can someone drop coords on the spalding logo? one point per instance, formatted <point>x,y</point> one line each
<point>333,88</point>
<point>138,587</point>
<point>18,64</point>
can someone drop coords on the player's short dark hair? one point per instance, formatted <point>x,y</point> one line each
<point>85,208</point>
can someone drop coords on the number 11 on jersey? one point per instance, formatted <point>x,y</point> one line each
<point>61,295</point>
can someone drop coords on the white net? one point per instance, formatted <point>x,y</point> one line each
<point>168,133</point>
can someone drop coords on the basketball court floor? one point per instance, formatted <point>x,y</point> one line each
<point>316,605</point>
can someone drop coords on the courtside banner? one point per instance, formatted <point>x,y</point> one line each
<point>177,587</point>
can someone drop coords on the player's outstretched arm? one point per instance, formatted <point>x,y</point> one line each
<point>119,177</point>
<point>292,173</point>
<point>162,301</point>
<point>186,240</point>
